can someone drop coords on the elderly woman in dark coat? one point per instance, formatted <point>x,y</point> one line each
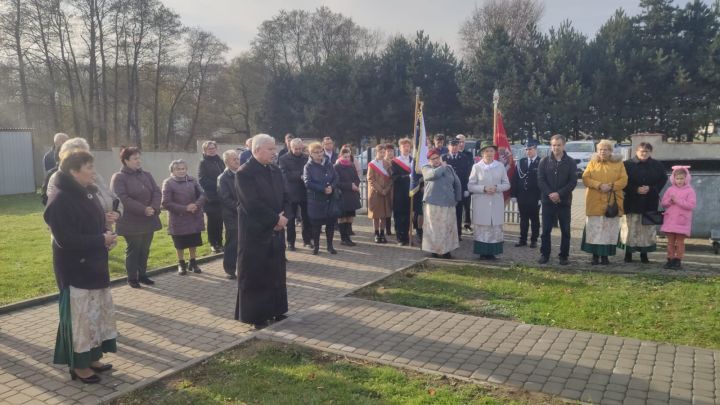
<point>646,177</point>
<point>320,181</point>
<point>183,198</point>
<point>140,196</point>
<point>80,260</point>
<point>349,184</point>
<point>211,166</point>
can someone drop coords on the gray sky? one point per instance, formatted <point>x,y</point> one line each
<point>236,22</point>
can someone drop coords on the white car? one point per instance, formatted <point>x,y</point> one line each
<point>582,152</point>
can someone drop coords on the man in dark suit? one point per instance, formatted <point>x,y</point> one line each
<point>228,199</point>
<point>292,165</point>
<point>262,288</point>
<point>462,164</point>
<point>527,193</point>
<point>329,150</point>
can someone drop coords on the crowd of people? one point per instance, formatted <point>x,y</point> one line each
<point>260,198</point>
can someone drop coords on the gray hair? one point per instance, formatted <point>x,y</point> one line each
<point>175,163</point>
<point>72,145</point>
<point>260,140</point>
<point>558,137</point>
<point>208,143</point>
<point>229,153</point>
<point>59,136</point>
<point>296,142</point>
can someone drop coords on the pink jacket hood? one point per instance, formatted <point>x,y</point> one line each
<point>688,177</point>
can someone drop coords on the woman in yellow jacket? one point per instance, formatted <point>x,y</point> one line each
<point>604,179</point>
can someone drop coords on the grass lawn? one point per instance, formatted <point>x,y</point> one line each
<point>271,373</point>
<point>679,310</point>
<point>26,255</point>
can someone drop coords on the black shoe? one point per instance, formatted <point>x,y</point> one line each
<point>520,244</point>
<point>231,277</point>
<point>146,280</point>
<point>316,250</point>
<point>93,379</point>
<point>491,257</point>
<point>278,318</point>
<point>347,242</point>
<point>595,260</point>
<point>260,325</point>
<point>378,239</point>
<point>677,264</point>
<point>331,250</point>
<point>104,367</point>
<point>435,255</point>
<point>533,244</point>
<point>628,257</point>
<point>543,260</point>
<point>447,256</point>
<point>604,260</point>
<point>644,258</point>
<point>468,227</point>
<point>291,247</point>
<point>670,263</point>
<point>133,284</point>
<point>564,261</point>
<point>182,268</point>
<point>194,267</point>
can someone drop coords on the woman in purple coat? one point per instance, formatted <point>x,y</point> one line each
<point>183,198</point>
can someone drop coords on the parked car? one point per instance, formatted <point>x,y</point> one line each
<point>582,152</point>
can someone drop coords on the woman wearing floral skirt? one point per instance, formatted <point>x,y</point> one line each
<point>80,260</point>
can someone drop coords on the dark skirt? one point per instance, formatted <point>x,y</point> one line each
<point>187,241</point>
<point>346,214</point>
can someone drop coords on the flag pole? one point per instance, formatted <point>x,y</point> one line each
<point>496,99</point>
<point>415,122</point>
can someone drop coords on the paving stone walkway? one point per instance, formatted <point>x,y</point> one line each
<point>182,320</point>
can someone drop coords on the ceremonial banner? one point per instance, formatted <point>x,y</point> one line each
<point>504,153</point>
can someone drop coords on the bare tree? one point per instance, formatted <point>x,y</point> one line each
<point>517,17</point>
<point>241,90</point>
<point>13,22</point>
<point>166,27</point>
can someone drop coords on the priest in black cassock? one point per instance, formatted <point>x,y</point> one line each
<point>262,291</point>
<point>524,188</point>
<point>400,174</point>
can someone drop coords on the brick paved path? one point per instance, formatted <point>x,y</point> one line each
<point>182,319</point>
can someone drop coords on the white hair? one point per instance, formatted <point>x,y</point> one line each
<point>59,136</point>
<point>72,145</point>
<point>260,140</point>
<point>177,162</point>
<point>296,142</point>
<point>228,154</point>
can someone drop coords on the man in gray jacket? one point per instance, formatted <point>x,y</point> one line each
<point>229,200</point>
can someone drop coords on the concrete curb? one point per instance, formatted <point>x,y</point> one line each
<point>384,276</point>
<point>176,370</point>
<point>32,302</point>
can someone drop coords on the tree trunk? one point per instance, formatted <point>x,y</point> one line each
<point>17,37</point>
<point>48,65</point>
<point>156,98</point>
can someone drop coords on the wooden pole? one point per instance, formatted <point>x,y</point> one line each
<point>415,157</point>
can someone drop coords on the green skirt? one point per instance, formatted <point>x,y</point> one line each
<point>64,351</point>
<point>485,248</point>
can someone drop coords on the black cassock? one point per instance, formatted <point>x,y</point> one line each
<point>262,292</point>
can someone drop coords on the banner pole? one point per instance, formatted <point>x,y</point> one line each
<point>415,153</point>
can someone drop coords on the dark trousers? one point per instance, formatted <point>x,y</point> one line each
<point>459,210</point>
<point>306,227</point>
<point>329,233</point>
<point>402,225</point>
<point>136,254</point>
<point>552,213</point>
<point>231,248</point>
<point>529,217</point>
<point>466,207</point>
<point>214,227</point>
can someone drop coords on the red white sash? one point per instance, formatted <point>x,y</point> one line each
<point>378,168</point>
<point>402,164</point>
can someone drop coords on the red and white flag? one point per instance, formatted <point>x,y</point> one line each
<point>504,152</point>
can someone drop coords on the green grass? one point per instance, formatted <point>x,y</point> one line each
<point>271,373</point>
<point>26,255</point>
<point>679,310</point>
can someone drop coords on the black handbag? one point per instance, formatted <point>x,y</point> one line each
<point>612,210</point>
<point>334,208</point>
<point>652,218</point>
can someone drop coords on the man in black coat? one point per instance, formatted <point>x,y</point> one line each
<point>262,289</point>
<point>288,138</point>
<point>292,165</point>
<point>462,164</point>
<point>527,193</point>
<point>228,198</point>
<point>329,150</point>
<point>51,160</point>
<point>557,178</point>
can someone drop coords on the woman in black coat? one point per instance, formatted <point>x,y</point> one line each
<point>320,181</point>
<point>80,260</point>
<point>646,178</point>
<point>211,166</point>
<point>349,185</point>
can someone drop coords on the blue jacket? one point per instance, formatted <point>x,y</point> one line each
<point>316,177</point>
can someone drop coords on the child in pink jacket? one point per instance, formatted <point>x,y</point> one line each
<point>679,203</point>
